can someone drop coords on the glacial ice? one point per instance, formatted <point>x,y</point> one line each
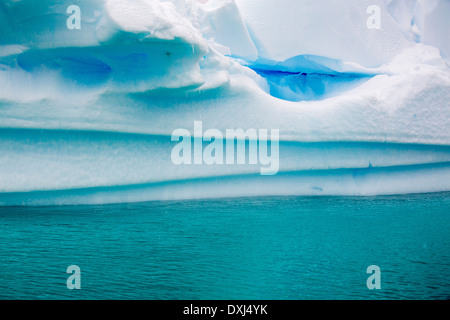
<point>86,115</point>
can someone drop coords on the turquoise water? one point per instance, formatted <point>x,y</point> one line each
<point>247,248</point>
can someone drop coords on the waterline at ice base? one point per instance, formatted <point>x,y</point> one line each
<point>97,96</point>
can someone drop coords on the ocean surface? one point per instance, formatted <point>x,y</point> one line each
<point>246,248</point>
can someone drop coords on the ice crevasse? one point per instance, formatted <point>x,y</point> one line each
<point>86,115</point>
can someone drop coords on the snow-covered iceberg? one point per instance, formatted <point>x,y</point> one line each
<point>87,110</point>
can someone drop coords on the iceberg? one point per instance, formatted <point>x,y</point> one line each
<point>87,110</point>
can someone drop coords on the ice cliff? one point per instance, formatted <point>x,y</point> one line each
<point>86,115</point>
